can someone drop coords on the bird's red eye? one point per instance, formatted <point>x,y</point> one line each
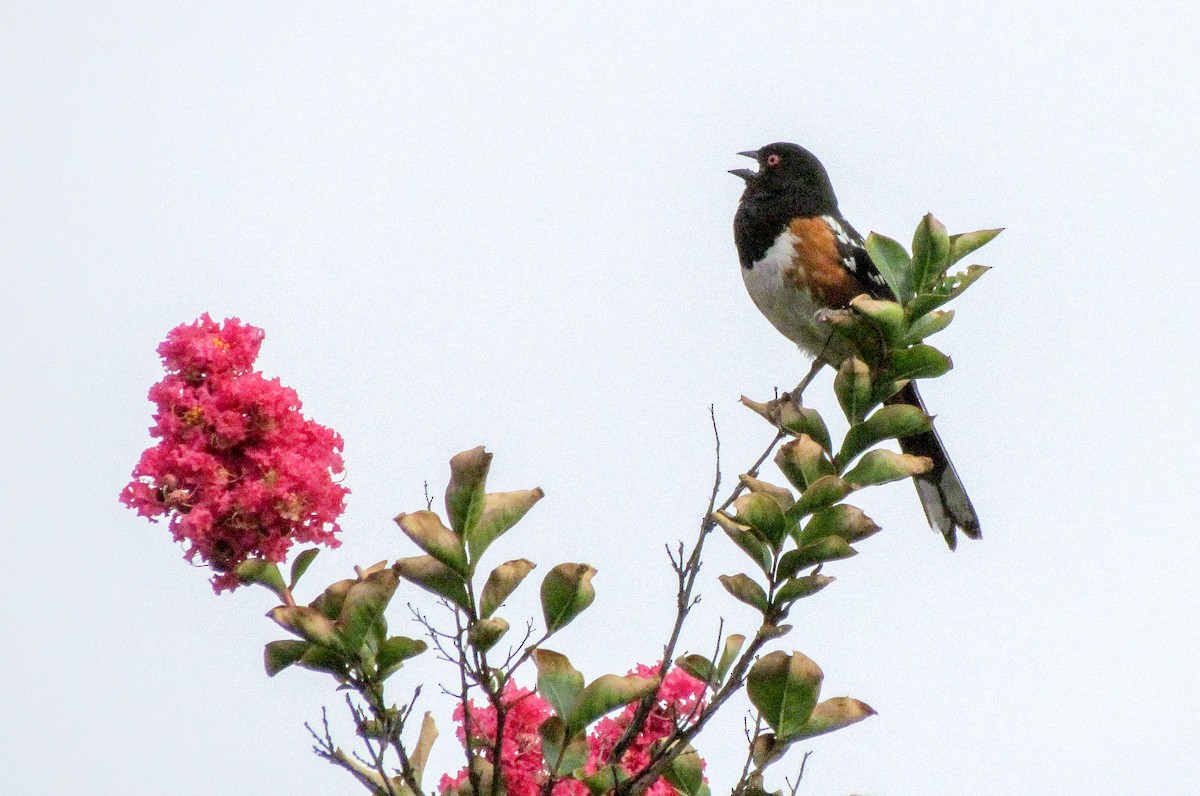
<point>773,160</point>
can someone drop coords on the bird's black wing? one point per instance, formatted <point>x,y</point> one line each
<point>857,261</point>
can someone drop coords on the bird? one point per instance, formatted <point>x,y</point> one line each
<point>799,259</point>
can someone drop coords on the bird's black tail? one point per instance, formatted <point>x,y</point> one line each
<point>942,494</point>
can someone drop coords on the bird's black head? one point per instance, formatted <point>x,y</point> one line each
<point>790,173</point>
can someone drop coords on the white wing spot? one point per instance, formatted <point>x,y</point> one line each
<point>838,230</point>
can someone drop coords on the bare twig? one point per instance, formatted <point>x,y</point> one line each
<point>327,750</point>
<point>687,579</point>
<point>751,739</point>
<point>795,787</point>
<point>377,751</point>
<point>817,364</point>
<point>687,582</point>
<point>464,700</point>
<point>324,742</point>
<point>515,651</point>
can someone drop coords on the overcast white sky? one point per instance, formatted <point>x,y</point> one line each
<point>461,224</point>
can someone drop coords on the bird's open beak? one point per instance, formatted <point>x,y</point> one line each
<point>746,174</point>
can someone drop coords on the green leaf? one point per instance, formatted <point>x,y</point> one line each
<point>685,773</point>
<point>308,623</point>
<point>435,577</point>
<point>394,651</point>
<point>770,632</point>
<point>953,285</point>
<point>893,263</point>
<point>763,514</point>
<point>484,634</point>
<point>607,693</point>
<point>948,288</point>
<point>843,520</point>
<point>743,537</point>
<point>329,602</point>
<point>744,588</point>
<point>301,564</point>
<point>927,325</point>
<point>426,529</point>
<point>798,420</point>
<point>921,361</point>
<point>501,511</point>
<point>853,388</point>
<point>558,681</point>
<point>562,751</point>
<point>964,243</point>
<point>784,689</point>
<point>767,749</point>
<point>887,422</point>
<point>803,461</point>
<point>799,588</point>
<point>883,466</point>
<point>834,714</point>
<point>465,492</point>
<point>371,728</point>
<point>768,411</point>
<point>697,666</point>
<point>605,780</point>
<point>931,248</point>
<point>733,646</point>
<point>501,583</point>
<point>825,491</point>
<point>566,592</point>
<point>783,497</point>
<point>887,317</point>
<point>324,659</point>
<point>830,548</point>
<point>264,573</point>
<point>790,417</point>
<point>364,605</point>
<point>278,655</point>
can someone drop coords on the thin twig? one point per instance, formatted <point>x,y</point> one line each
<point>751,739</point>
<point>377,751</point>
<point>464,700</point>
<point>795,788</point>
<point>677,742</point>
<point>817,364</point>
<point>687,583</point>
<point>326,750</point>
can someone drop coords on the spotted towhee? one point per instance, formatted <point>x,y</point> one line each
<point>799,257</point>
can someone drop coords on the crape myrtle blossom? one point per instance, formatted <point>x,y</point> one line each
<point>680,699</point>
<point>238,471</point>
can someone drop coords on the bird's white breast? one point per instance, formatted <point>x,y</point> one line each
<point>788,305</point>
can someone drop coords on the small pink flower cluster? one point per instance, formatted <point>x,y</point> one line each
<point>238,470</point>
<point>680,700</point>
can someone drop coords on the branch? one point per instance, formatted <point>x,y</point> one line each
<point>326,750</point>
<point>687,580</point>
<point>688,572</point>
<point>795,787</point>
<point>751,738</point>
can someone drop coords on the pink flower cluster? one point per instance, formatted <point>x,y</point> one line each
<point>680,699</point>
<point>238,469</point>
